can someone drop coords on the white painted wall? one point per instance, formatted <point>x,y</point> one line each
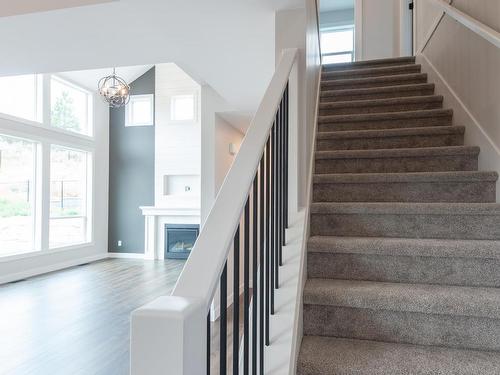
<point>380,28</point>
<point>211,103</point>
<point>177,144</point>
<point>465,66</point>
<point>26,265</point>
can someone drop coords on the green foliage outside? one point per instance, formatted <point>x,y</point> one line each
<point>10,208</point>
<point>63,114</point>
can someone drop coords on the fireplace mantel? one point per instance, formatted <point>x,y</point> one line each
<point>155,219</point>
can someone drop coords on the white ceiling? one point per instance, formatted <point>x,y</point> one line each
<point>216,42</point>
<point>330,5</point>
<point>89,78</point>
<point>16,7</point>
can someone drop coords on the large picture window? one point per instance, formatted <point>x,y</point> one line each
<point>337,45</point>
<point>17,195</point>
<point>70,107</point>
<point>69,173</point>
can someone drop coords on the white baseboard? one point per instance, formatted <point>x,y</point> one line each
<point>53,267</point>
<point>475,135</point>
<point>126,255</point>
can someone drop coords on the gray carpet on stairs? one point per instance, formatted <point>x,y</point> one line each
<point>404,254</point>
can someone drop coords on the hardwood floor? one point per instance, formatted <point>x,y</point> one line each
<point>76,321</point>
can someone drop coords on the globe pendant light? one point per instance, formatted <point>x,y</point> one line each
<point>114,90</point>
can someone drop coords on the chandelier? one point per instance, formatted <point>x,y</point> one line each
<point>114,90</point>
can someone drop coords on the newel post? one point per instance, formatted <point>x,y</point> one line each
<point>168,336</point>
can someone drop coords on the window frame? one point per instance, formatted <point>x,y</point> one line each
<point>89,111</point>
<point>129,110</point>
<point>337,29</point>
<point>45,135</point>
<point>172,107</point>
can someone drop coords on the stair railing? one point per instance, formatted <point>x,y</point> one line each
<point>172,335</point>
<point>484,31</point>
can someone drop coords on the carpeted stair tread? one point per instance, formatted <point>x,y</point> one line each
<point>391,80</point>
<point>386,116</point>
<point>372,71</point>
<point>396,153</point>
<point>415,247</point>
<point>371,208</point>
<point>417,298</point>
<point>369,63</point>
<point>477,221</point>
<point>412,103</point>
<point>369,178</point>
<point>336,356</point>
<point>419,89</point>
<point>380,133</point>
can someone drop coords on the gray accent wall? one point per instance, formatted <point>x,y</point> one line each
<point>131,174</point>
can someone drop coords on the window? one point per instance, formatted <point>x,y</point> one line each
<point>140,111</point>
<point>17,195</point>
<point>337,45</point>
<point>69,171</point>
<point>70,107</point>
<point>182,108</point>
<point>20,96</point>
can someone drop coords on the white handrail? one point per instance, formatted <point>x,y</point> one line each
<point>471,23</point>
<point>202,271</point>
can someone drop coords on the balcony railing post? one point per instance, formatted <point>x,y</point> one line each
<point>166,334</point>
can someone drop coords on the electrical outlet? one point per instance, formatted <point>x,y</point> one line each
<point>119,243</point>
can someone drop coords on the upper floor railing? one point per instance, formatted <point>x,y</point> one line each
<point>484,31</point>
<point>173,333</point>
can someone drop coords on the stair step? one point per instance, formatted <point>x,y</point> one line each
<point>390,120</point>
<point>431,187</point>
<point>405,260</point>
<point>426,159</point>
<point>408,220</point>
<point>391,138</point>
<point>369,63</point>
<point>415,103</point>
<point>371,72</point>
<point>452,316</point>
<point>336,356</point>
<point>392,80</point>
<point>421,89</point>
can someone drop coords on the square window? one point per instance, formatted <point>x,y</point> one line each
<point>140,111</point>
<point>69,197</point>
<point>17,195</point>
<point>70,106</point>
<point>20,96</point>
<point>182,108</point>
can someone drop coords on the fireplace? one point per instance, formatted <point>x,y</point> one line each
<point>180,239</point>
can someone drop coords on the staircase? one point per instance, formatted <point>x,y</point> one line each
<point>403,258</point>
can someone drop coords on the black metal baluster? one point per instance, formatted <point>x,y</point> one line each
<point>209,338</point>
<point>286,155</point>
<point>261,266</point>
<point>246,292</point>
<point>223,322</point>
<point>277,230</point>
<point>254,274</point>
<point>236,301</point>
<point>272,248</point>
<point>268,238</point>
<point>282,176</point>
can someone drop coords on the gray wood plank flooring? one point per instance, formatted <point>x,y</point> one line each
<point>76,321</point>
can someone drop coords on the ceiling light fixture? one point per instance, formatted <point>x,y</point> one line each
<point>114,90</point>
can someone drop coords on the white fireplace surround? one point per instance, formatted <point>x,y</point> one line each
<point>155,219</point>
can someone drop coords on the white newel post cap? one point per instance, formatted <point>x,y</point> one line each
<point>168,336</point>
